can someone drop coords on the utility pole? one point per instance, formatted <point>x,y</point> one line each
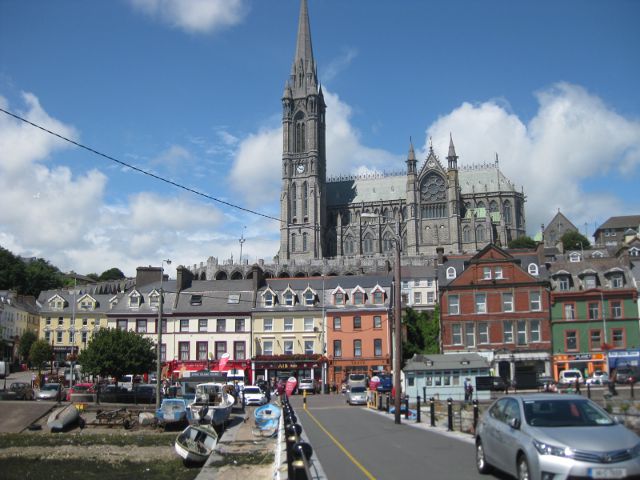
<point>397,329</point>
<point>159,329</point>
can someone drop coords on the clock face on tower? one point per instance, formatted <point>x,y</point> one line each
<point>300,168</point>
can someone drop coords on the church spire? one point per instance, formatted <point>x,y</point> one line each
<point>304,79</point>
<point>411,159</point>
<point>452,157</point>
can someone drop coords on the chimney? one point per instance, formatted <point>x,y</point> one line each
<point>184,278</point>
<point>147,275</point>
<point>440,253</point>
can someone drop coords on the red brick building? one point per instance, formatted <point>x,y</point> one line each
<point>496,303</point>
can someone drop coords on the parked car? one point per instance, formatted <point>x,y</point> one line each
<point>569,377</point>
<point>21,391</point>
<point>627,374</point>
<point>114,394</point>
<point>253,395</point>
<point>546,383</point>
<point>308,385</point>
<point>491,383</point>
<point>80,388</point>
<point>555,436</point>
<point>357,395</point>
<point>144,393</point>
<point>50,391</point>
<point>386,383</point>
<point>598,377</point>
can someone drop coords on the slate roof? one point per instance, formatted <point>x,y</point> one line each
<point>627,221</point>
<point>601,266</point>
<point>448,361</point>
<point>101,299</point>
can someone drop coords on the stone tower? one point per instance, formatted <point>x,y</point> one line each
<point>303,195</point>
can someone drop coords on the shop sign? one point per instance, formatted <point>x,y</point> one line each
<point>583,356</point>
<point>286,365</point>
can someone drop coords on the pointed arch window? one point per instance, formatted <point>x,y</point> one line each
<point>293,242</point>
<point>300,140</point>
<point>481,234</point>
<point>367,244</point>
<point>348,246</point>
<point>466,234</point>
<point>305,199</point>
<point>294,201</point>
<point>305,245</point>
<point>387,242</point>
<point>493,206</point>
<point>506,207</point>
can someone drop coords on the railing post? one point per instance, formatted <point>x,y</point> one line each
<point>418,409</point>
<point>387,409</point>
<point>432,406</point>
<point>406,407</point>
<point>450,414</point>
<point>475,414</point>
<point>379,395</point>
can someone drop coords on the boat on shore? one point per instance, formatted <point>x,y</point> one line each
<point>212,404</point>
<point>63,417</point>
<point>172,411</point>
<point>196,443</point>
<point>267,416</point>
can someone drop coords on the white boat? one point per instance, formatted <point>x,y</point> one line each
<point>212,404</point>
<point>63,417</point>
<point>172,411</point>
<point>196,442</point>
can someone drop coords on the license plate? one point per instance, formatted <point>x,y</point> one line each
<point>607,472</point>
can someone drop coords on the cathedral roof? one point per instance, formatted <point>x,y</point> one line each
<point>484,178</point>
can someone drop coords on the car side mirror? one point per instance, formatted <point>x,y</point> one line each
<point>514,423</point>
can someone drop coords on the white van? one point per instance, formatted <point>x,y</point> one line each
<point>570,376</point>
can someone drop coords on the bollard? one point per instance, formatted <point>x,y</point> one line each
<point>301,454</point>
<point>424,393</point>
<point>450,414</point>
<point>418,409</point>
<point>387,409</point>
<point>475,414</point>
<point>432,405</point>
<point>244,403</point>
<point>406,407</point>
<point>588,390</point>
<point>304,399</point>
<point>379,401</point>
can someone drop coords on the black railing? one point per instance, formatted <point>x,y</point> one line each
<point>298,452</point>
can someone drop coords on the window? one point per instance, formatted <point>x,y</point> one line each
<point>308,347</point>
<point>507,302</point>
<point>595,339</point>
<point>431,297</point>
<point>469,334</point>
<point>240,324</point>
<point>267,347</point>
<point>454,304</point>
<point>338,298</point>
<point>378,297</point>
<point>308,324</point>
<point>533,269</point>
<point>72,336</point>
<point>357,323</point>
<point>483,332</point>
<point>451,273</point>
<point>202,324</point>
<point>221,325</point>
<point>202,350</point>
<point>590,281</point>
<point>60,321</point>
<point>507,328</point>
<point>377,321</point>
<point>308,298</point>
<point>239,351</point>
<point>305,240</point>
<point>498,273</point>
<point>84,337</point>
<point>288,324</point>
<point>196,299</point>
<point>141,325</point>
<point>367,244</point>
<point>534,326</point>
<point>357,348</point>
<point>486,273</point>
<point>85,322</point>
<point>288,347</point>
<point>481,303</point>
<point>221,349</point>
<point>563,283</point>
<point>183,350</point>
<point>522,332</point>
<point>268,324</point>
<point>294,204</point>
<point>534,301</point>
<point>358,298</point>
<point>59,337</point>
<point>456,334</point>
<point>122,324</point>
<point>377,347</point>
<point>337,348</point>
<point>305,199</point>
<point>184,325</point>
<point>134,300</point>
<point>48,322</point>
<point>617,337</point>
<point>571,340</point>
<point>616,308</point>
<point>337,323</point>
<point>466,234</point>
<point>569,311</point>
<point>594,310</point>
<point>47,336</point>
<point>417,297</point>
<point>480,233</point>
<point>268,299</point>
<point>288,299</point>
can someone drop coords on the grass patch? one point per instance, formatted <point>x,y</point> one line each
<point>244,459</point>
<point>21,469</point>
<point>119,439</point>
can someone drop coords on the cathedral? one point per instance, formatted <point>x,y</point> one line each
<point>430,204</point>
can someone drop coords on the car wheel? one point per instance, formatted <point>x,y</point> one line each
<point>523,468</point>
<point>481,461</point>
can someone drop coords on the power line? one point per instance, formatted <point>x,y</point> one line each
<point>140,170</point>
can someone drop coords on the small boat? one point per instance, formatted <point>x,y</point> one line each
<point>195,443</point>
<point>63,417</point>
<point>267,416</point>
<point>212,404</point>
<point>172,411</point>
<point>403,411</point>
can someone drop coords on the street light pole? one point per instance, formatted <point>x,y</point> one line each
<point>159,333</point>
<point>241,240</point>
<point>397,331</point>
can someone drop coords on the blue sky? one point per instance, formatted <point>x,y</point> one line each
<point>191,91</point>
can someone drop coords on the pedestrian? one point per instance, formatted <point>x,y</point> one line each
<point>612,383</point>
<point>578,385</point>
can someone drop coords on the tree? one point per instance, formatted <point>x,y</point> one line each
<point>93,276</point>
<point>523,242</point>
<point>112,274</point>
<point>40,352</point>
<point>41,275</point>
<point>422,332</point>
<point>116,352</point>
<point>12,273</point>
<point>572,240</point>
<point>26,341</point>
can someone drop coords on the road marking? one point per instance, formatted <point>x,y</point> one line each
<point>341,447</point>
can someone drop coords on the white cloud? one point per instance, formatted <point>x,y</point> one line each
<point>175,158</point>
<point>339,64</point>
<point>195,16</point>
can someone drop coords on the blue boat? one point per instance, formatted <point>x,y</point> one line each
<point>267,416</point>
<point>172,411</point>
<point>403,411</point>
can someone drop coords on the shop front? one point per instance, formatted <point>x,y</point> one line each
<point>272,368</point>
<point>340,369</point>
<point>587,363</point>
<point>177,369</point>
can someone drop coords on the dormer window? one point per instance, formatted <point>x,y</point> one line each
<point>268,299</point>
<point>338,298</point>
<point>309,298</point>
<point>617,280</point>
<point>86,305</point>
<point>135,300</point>
<point>634,252</point>
<point>378,297</point>
<point>533,269</point>
<point>451,273</point>
<point>196,300</point>
<point>590,281</point>
<point>154,299</point>
<point>288,299</point>
<point>564,283</point>
<point>358,298</point>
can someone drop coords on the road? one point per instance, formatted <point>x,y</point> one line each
<point>356,443</point>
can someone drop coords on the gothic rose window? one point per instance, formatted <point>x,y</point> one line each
<point>433,188</point>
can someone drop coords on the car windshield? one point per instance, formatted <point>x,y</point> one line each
<point>50,386</point>
<point>81,388</point>
<point>357,389</point>
<point>355,377</point>
<point>252,390</point>
<point>570,374</point>
<point>565,413</point>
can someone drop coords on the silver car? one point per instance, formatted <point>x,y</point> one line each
<point>550,436</point>
<point>50,391</point>
<point>357,396</point>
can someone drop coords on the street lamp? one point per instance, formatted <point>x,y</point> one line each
<point>397,328</point>
<point>581,251</point>
<point>242,240</point>
<point>159,329</point>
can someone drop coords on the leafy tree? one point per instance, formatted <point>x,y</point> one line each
<point>26,341</point>
<point>93,276</point>
<point>422,332</point>
<point>41,275</point>
<point>40,352</point>
<point>12,274</point>
<point>112,274</point>
<point>572,240</point>
<point>523,242</point>
<point>118,352</point>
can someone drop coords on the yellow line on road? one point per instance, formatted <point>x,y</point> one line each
<point>341,447</point>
